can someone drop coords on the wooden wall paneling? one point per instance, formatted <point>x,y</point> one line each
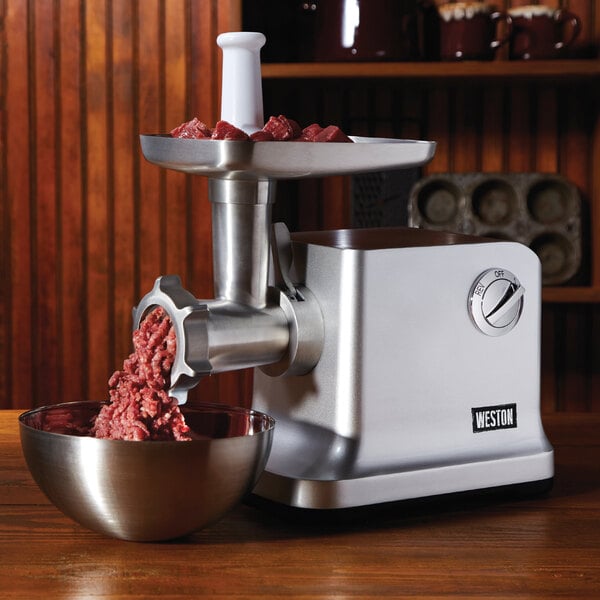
<point>492,128</point>
<point>384,110</point>
<point>575,142</point>
<point>72,343</point>
<point>151,233</point>
<point>336,203</point>
<point>233,388</point>
<point>4,220</point>
<point>519,141</point>
<point>88,223</point>
<point>44,211</point>
<point>229,15</point>
<point>575,343</point>
<point>124,157</point>
<point>576,160</point>
<point>549,363</point>
<point>575,166</point>
<point>411,111</point>
<point>358,110</point>
<point>557,350</point>
<point>594,362</point>
<point>595,187</point>
<point>332,102</point>
<point>465,120</point>
<point>44,142</point>
<point>580,161</point>
<point>309,205</point>
<point>98,282</point>
<point>595,16</point>
<point>437,129</point>
<point>17,186</point>
<point>546,129</point>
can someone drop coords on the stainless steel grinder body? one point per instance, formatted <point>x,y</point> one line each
<point>393,407</point>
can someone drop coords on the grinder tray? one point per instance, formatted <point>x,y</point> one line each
<point>228,159</point>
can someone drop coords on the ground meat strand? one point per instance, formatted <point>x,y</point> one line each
<point>140,407</point>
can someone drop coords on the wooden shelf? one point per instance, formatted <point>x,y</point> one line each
<point>555,69</point>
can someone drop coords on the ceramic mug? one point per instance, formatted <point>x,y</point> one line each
<point>541,32</point>
<point>469,31</point>
<point>368,30</point>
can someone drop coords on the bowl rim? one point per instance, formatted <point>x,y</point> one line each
<point>200,407</point>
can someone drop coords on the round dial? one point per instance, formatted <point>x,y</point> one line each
<point>496,301</point>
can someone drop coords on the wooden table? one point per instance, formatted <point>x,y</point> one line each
<point>541,547</point>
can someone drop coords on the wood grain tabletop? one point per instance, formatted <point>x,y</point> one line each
<point>544,546</point>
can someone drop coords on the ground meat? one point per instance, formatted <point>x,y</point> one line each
<point>140,407</point>
<point>279,129</point>
<point>62,420</point>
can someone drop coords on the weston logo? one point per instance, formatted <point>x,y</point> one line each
<point>490,418</point>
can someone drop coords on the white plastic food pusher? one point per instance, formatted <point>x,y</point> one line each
<point>241,88</point>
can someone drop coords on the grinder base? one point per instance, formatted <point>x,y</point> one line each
<point>424,482</point>
<point>404,509</point>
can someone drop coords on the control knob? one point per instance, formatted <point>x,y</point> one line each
<point>496,301</point>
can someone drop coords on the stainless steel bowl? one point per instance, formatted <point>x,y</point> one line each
<point>145,491</point>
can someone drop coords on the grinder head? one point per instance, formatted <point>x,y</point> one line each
<point>189,317</point>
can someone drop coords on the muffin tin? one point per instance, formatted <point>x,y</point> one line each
<point>538,210</point>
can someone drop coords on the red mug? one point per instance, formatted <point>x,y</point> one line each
<point>469,31</point>
<point>541,32</point>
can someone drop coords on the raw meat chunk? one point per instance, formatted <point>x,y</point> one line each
<point>194,129</point>
<point>262,136</point>
<point>332,133</point>
<point>282,128</point>
<point>310,133</point>
<point>226,131</point>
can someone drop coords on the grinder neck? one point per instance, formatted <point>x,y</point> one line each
<point>241,221</point>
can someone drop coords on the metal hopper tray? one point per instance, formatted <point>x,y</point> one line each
<point>228,159</point>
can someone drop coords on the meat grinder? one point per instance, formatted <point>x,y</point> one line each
<point>398,363</point>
